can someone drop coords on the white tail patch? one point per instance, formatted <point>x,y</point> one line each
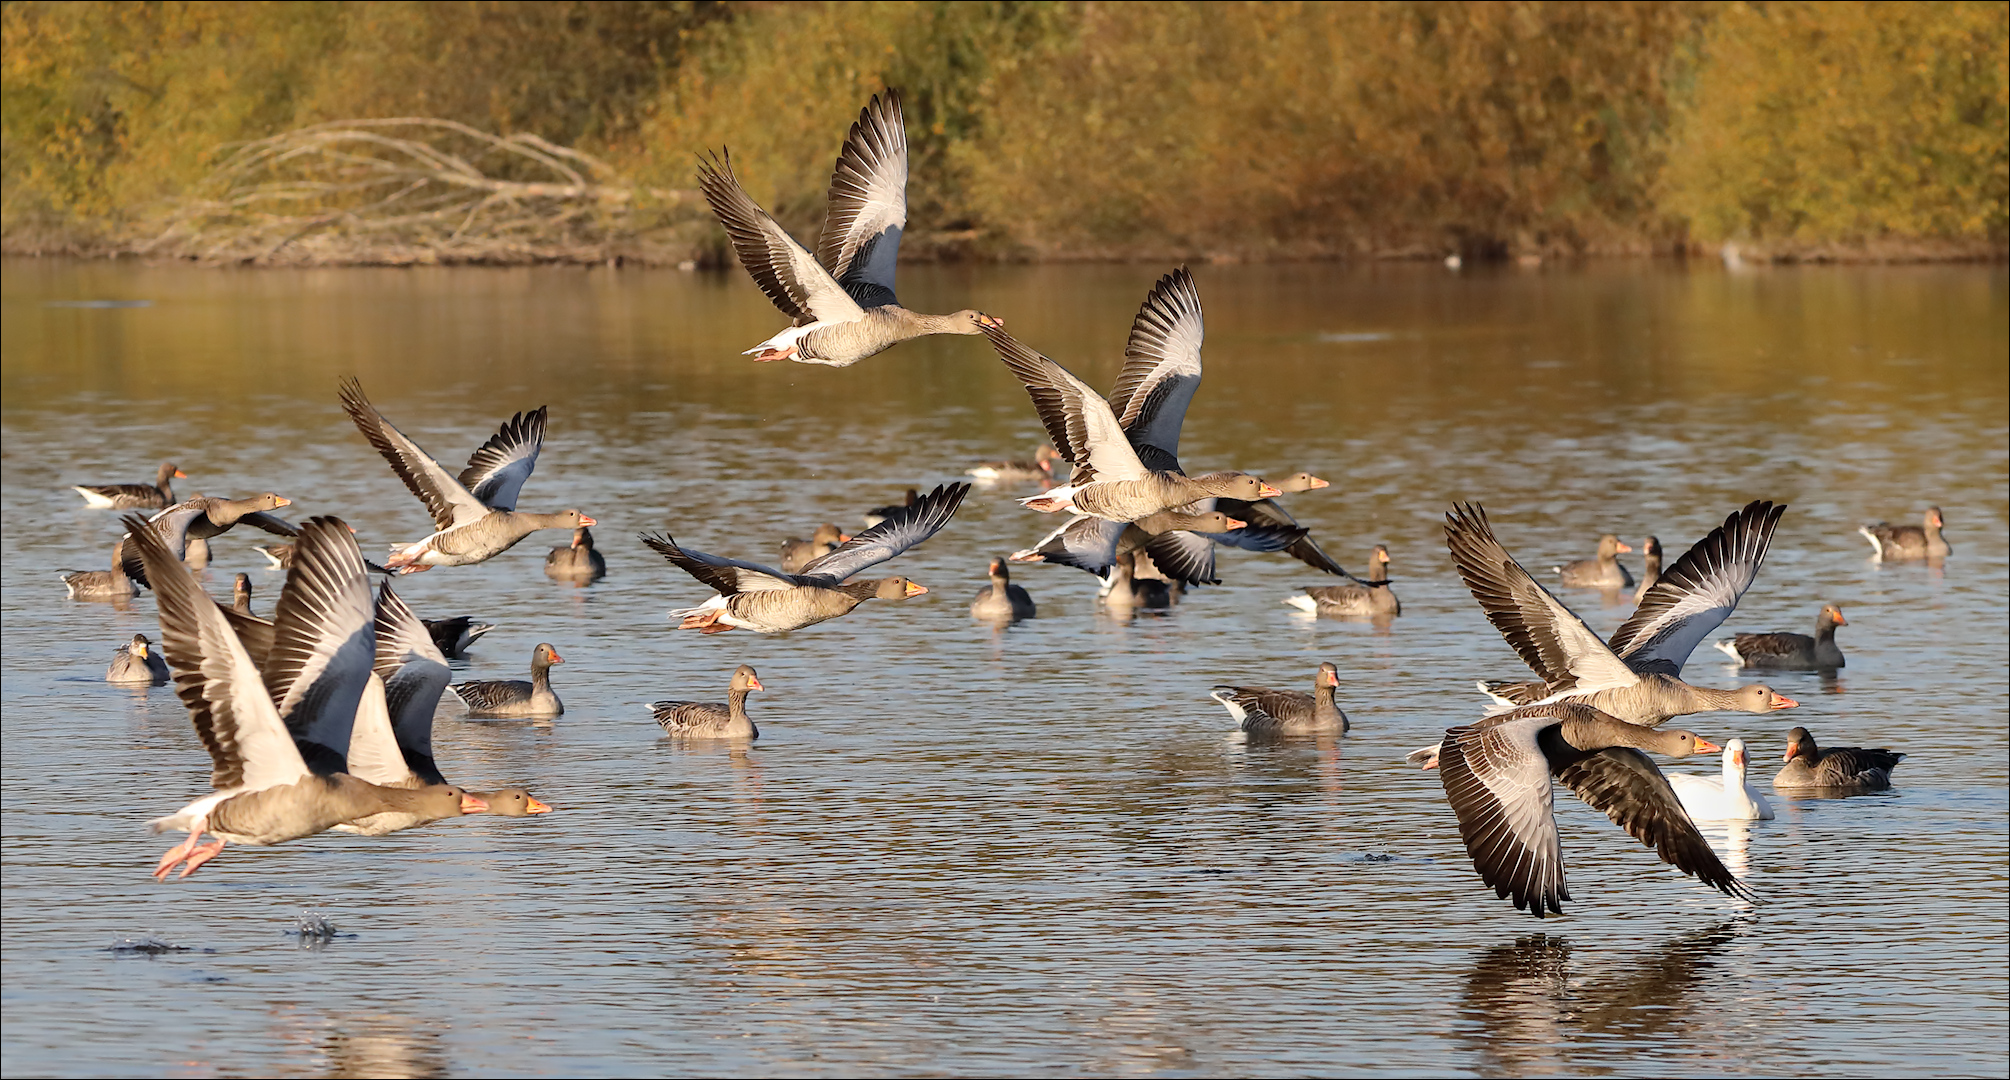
<point>1875,544</point>
<point>1303,603</point>
<point>1728,648</point>
<point>1226,695</point>
<point>93,499</point>
<point>1497,699</point>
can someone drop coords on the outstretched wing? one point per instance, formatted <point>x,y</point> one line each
<point>1694,597</point>
<point>725,576</point>
<point>415,674</point>
<point>248,744</point>
<point>1550,638</point>
<point>784,269</point>
<point>1078,420</point>
<point>902,529</point>
<point>496,472</point>
<point>1497,781</point>
<point>323,643</point>
<point>868,204</point>
<point>445,498</point>
<point>170,526</point>
<point>1624,783</point>
<point>1161,365</point>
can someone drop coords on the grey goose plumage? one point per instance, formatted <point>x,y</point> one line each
<point>1497,776</point>
<point>1650,572</point>
<point>192,521</point>
<point>1791,651</point>
<point>455,636</point>
<point>137,662</point>
<point>1262,712</point>
<point>823,540</point>
<point>155,496</point>
<point>1837,769</point>
<point>1900,542</point>
<point>577,561</point>
<point>841,300</point>
<point>1602,572</point>
<point>515,698</point>
<point>113,584</point>
<point>1372,596</point>
<point>474,515</point>
<point>711,720</point>
<point>1001,600</point>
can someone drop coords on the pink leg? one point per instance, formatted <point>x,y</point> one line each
<point>414,568</point>
<point>775,354</point>
<point>179,852</point>
<point>202,854</point>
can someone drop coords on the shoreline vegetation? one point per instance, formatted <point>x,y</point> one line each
<point>402,133</point>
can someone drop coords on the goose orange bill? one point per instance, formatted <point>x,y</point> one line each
<point>754,683</point>
<point>914,589</point>
<point>1705,746</point>
<point>1234,524</point>
<point>1315,483</point>
<point>1265,491</point>
<point>584,520</point>
<point>471,804</point>
<point>1781,701</point>
<point>180,475</point>
<point>1624,546</point>
<point>533,806</point>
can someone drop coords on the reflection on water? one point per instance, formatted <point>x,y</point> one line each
<point>971,849</point>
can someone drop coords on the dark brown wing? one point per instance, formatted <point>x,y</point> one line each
<point>1624,783</point>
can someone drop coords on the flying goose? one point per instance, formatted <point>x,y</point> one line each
<point>709,720</point>
<point>1603,572</point>
<point>1841,768</point>
<point>1371,596</point>
<point>265,792</point>
<point>155,496</point>
<point>1731,798</point>
<point>1637,675</point>
<point>797,554</point>
<point>1001,599</point>
<point>768,601</point>
<point>137,662</point>
<point>513,698</point>
<point>1258,711</point>
<point>1497,777</point>
<point>1783,650</point>
<point>577,561</point>
<point>1909,541</point>
<point>1179,543</point>
<point>475,514</point>
<point>841,299</point>
<point>188,524</point>
<point>1111,479</point>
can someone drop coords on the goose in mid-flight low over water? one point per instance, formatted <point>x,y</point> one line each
<point>475,514</point>
<point>155,496</point>
<point>841,299</point>
<point>1497,775</point>
<point>768,601</point>
<point>186,526</point>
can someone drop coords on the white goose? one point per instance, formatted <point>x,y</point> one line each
<point>1731,799</point>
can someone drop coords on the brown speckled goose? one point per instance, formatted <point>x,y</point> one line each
<point>1793,651</point>
<point>768,601</point>
<point>1127,591</point>
<point>1045,461</point>
<point>1497,776</point>
<point>1651,568</point>
<point>184,524</point>
<point>1893,542</point>
<point>110,584</point>
<point>1258,711</point>
<point>511,698</point>
<point>1373,597</point>
<point>841,299</point>
<point>155,496</point>
<point>456,635</point>
<point>709,720</point>
<point>1603,572</point>
<point>475,514</point>
<point>797,554</point>
<point>137,662</point>
<point>1002,600</point>
<point>265,793</point>
<point>1843,768</point>
<point>577,561</point>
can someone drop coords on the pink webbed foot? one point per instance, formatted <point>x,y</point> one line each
<point>414,568</point>
<point>1046,506</point>
<point>202,854</point>
<point>766,355</point>
<point>177,853</point>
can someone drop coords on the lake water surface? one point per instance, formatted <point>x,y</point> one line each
<point>964,850</point>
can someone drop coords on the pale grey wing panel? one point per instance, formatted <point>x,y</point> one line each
<point>496,472</point>
<point>783,268</point>
<point>1693,597</point>
<point>867,211</point>
<point>414,672</point>
<point>1548,636</point>
<point>445,498</point>
<point>725,576</point>
<point>1077,418</point>
<point>373,752</point>
<point>1161,364</point>
<point>324,642</point>
<point>902,529</point>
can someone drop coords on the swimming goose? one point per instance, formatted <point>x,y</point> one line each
<point>1637,675</point>
<point>457,635</point>
<point>880,513</point>
<point>1909,541</point>
<point>110,584</point>
<point>1731,798</point>
<point>577,560</point>
<point>1651,572</point>
<point>511,698</point>
<point>475,514</point>
<point>841,299</point>
<point>1001,599</point>
<point>240,594</point>
<point>1286,712</point>
<point>1372,596</point>
<point>1603,572</point>
<point>1497,777</point>
<point>392,744</point>
<point>1111,480</point>
<point>1040,468</point>
<point>265,792</point>
<point>768,601</point>
<point>709,720</point>
<point>155,496</point>
<point>185,525</point>
<point>137,662</point>
<point>1783,650</point>
<point>797,554</point>
<point>1842,768</point>
<point>1126,591</point>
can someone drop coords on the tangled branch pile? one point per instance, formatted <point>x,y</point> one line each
<point>403,191</point>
